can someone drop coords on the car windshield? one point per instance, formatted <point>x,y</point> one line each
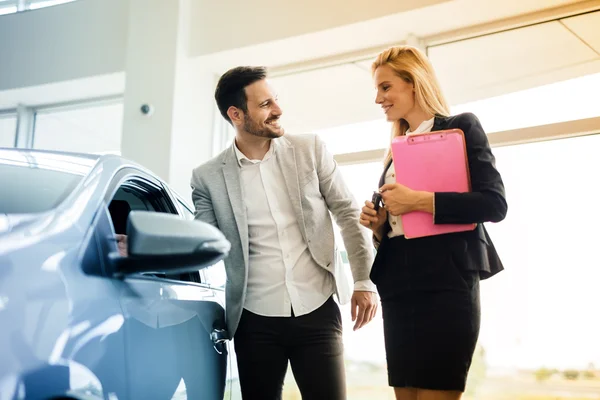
<point>25,189</point>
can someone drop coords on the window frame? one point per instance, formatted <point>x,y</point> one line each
<point>32,112</point>
<point>17,6</point>
<point>11,114</point>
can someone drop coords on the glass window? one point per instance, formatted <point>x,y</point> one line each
<point>7,8</point>
<point>369,135</point>
<point>365,363</point>
<point>35,4</point>
<point>93,129</point>
<point>557,102</point>
<point>537,333</point>
<point>11,6</point>
<point>31,190</point>
<point>187,213</point>
<point>8,130</point>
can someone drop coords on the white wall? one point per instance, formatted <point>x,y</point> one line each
<point>74,40</point>
<point>178,136</point>
<point>231,24</point>
<point>89,37</point>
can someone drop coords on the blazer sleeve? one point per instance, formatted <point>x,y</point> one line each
<point>202,200</point>
<point>345,210</point>
<point>486,201</point>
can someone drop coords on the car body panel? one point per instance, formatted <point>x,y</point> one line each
<point>70,329</point>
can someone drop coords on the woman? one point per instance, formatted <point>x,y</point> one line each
<point>429,287</point>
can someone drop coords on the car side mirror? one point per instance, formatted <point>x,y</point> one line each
<point>166,243</point>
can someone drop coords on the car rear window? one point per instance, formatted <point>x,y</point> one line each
<point>25,189</point>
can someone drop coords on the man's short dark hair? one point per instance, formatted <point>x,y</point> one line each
<point>230,89</point>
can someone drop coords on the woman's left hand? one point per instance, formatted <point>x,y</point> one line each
<point>398,199</point>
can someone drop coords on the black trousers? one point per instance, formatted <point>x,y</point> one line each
<point>312,343</point>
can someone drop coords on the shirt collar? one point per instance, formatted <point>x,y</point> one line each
<point>424,127</point>
<point>241,157</point>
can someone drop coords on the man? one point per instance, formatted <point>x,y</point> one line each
<point>271,195</point>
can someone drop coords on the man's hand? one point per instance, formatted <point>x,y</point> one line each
<point>122,244</point>
<point>366,303</point>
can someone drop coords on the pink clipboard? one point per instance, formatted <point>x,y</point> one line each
<point>433,162</point>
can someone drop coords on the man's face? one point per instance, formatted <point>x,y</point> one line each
<point>262,118</point>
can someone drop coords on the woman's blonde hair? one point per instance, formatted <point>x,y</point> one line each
<point>410,64</point>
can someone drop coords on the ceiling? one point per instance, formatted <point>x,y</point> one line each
<point>517,59</point>
<point>468,70</point>
<point>227,25</point>
<point>306,30</point>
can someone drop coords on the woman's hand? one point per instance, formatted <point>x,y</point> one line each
<point>374,220</point>
<point>400,200</point>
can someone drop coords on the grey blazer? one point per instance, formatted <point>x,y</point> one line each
<point>316,188</point>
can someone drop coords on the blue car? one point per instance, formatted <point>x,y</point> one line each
<point>79,320</point>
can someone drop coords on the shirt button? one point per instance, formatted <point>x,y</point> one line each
<point>393,222</point>
<point>393,175</point>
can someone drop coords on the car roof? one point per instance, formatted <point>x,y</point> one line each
<point>76,163</point>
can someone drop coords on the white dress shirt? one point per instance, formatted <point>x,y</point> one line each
<point>282,274</point>
<point>390,177</point>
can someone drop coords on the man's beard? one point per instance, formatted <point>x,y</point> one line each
<point>253,128</point>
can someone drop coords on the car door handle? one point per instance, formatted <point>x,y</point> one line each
<point>219,337</point>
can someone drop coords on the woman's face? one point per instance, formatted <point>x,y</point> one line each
<point>394,94</point>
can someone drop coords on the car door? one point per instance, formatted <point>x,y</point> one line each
<point>215,278</point>
<point>171,321</point>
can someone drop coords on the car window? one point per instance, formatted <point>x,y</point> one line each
<point>128,198</point>
<point>33,190</point>
<point>136,195</point>
<point>187,213</point>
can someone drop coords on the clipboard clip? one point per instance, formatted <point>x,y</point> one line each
<point>426,137</point>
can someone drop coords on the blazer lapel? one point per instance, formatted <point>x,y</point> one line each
<point>382,178</point>
<point>286,159</point>
<point>231,173</point>
<point>438,123</point>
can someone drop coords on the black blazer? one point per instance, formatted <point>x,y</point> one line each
<point>485,203</point>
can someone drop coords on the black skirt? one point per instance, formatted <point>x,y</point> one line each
<point>431,311</point>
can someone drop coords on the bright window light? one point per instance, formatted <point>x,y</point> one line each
<point>8,129</point>
<point>48,3</point>
<point>557,102</point>
<point>362,136</point>
<point>92,129</point>
<point>537,333</point>
<point>7,10</point>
